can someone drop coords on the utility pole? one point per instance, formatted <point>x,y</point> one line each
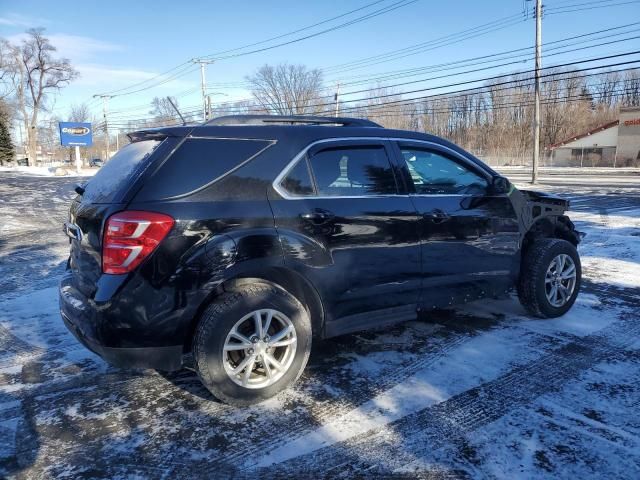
<point>202,63</point>
<point>536,111</point>
<point>337,97</point>
<point>105,110</point>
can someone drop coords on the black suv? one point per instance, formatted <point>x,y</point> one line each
<point>240,239</point>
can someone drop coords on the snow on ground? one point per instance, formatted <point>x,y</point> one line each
<point>481,391</point>
<point>60,170</point>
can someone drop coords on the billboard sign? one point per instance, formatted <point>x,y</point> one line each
<point>75,134</point>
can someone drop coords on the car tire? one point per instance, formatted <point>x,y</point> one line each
<point>216,333</point>
<point>544,267</point>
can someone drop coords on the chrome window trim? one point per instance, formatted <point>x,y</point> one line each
<point>281,176</point>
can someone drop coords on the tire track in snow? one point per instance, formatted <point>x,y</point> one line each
<point>266,434</point>
<point>13,349</point>
<point>415,436</point>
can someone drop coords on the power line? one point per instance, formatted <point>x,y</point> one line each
<point>495,77</point>
<point>487,58</point>
<point>485,68</point>
<point>501,106</point>
<point>493,89</point>
<point>481,30</point>
<point>453,65</point>
<point>427,46</point>
<point>615,93</point>
<point>328,20</point>
<point>469,90</point>
<point>382,11</point>
<point>181,73</point>
<point>567,9</point>
<point>163,74</point>
<point>184,68</point>
<point>454,94</point>
<point>491,58</point>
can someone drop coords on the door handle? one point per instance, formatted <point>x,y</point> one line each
<point>437,216</point>
<point>317,216</point>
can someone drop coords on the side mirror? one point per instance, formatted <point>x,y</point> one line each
<point>500,185</point>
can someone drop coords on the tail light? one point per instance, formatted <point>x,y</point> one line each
<point>130,237</point>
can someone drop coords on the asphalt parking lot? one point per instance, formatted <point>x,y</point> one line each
<point>478,392</point>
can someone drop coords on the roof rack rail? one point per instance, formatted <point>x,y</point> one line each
<point>289,119</point>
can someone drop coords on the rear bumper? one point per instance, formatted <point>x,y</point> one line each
<point>159,358</point>
<point>88,324</point>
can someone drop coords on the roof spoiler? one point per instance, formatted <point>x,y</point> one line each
<point>289,119</point>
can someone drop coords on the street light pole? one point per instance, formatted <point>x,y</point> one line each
<point>536,110</point>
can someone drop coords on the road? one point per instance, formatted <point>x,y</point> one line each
<point>478,392</point>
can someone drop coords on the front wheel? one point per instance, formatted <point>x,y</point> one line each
<point>550,277</point>
<point>252,343</point>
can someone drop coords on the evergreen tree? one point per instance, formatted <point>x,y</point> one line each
<point>7,153</point>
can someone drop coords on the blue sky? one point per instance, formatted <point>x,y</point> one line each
<point>118,43</point>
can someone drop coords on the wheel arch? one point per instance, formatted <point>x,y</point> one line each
<point>282,277</point>
<point>551,227</point>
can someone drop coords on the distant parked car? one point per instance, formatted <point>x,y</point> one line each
<point>240,239</point>
<point>96,162</point>
<point>23,162</point>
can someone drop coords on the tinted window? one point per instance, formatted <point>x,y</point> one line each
<point>350,171</point>
<point>196,163</point>
<point>110,179</point>
<point>298,181</point>
<point>434,173</point>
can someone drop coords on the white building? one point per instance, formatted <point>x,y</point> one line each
<point>615,144</point>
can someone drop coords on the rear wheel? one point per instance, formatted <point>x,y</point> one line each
<point>550,277</point>
<point>252,343</point>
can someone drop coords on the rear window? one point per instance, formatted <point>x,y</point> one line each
<point>112,177</point>
<point>197,163</point>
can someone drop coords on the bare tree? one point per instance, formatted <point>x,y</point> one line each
<point>385,106</point>
<point>631,96</point>
<point>8,68</point>
<point>287,89</point>
<point>79,113</point>
<point>38,75</point>
<point>163,112</point>
<point>607,87</point>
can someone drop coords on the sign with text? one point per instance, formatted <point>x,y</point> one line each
<point>75,134</point>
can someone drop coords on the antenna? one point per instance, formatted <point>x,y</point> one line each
<point>184,122</point>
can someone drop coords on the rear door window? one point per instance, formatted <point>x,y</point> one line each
<point>107,183</point>
<point>199,162</point>
<point>353,171</point>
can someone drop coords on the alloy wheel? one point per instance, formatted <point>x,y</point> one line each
<point>560,280</point>
<point>260,348</point>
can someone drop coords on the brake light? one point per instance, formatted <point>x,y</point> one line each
<point>130,237</point>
